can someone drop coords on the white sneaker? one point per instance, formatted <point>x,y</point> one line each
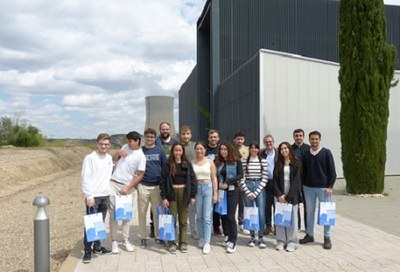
<point>201,242</point>
<point>290,247</point>
<point>128,246</point>
<point>231,248</point>
<point>246,232</point>
<point>280,246</point>
<point>206,248</point>
<point>114,247</point>
<point>225,242</point>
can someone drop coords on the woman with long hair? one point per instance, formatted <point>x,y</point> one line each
<point>178,189</point>
<point>229,173</point>
<point>287,189</point>
<point>207,194</point>
<point>255,171</point>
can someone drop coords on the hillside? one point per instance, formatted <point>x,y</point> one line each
<point>23,168</point>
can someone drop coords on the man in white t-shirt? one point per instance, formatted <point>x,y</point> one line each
<point>129,171</point>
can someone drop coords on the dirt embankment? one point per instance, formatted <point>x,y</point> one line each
<point>23,168</point>
<point>24,174</point>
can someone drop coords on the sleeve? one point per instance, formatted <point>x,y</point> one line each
<point>163,183</point>
<point>239,176</point>
<point>243,184</point>
<point>331,169</point>
<point>275,186</point>
<point>87,177</point>
<point>264,177</point>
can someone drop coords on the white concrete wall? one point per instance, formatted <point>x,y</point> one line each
<point>298,92</point>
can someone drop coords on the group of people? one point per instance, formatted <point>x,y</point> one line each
<point>187,177</point>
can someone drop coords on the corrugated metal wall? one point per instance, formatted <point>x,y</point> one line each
<point>238,102</point>
<point>305,27</point>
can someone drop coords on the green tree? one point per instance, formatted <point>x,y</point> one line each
<point>12,133</point>
<point>367,64</point>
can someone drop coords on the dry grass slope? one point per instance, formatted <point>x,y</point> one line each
<point>26,173</point>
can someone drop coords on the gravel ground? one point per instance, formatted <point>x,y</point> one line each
<point>66,209</point>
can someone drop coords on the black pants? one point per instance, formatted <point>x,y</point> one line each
<point>241,207</point>
<point>269,203</point>
<point>216,219</point>
<point>229,221</point>
<point>100,205</point>
<point>304,210</point>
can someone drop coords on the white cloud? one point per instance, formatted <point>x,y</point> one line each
<point>78,68</point>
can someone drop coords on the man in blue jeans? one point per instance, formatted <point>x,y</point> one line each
<point>319,176</point>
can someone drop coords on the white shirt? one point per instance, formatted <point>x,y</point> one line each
<point>126,167</point>
<point>96,174</point>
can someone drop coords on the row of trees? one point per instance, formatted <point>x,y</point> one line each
<point>17,133</point>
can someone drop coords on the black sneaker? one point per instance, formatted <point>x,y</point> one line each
<point>87,257</point>
<point>101,250</point>
<point>327,243</point>
<point>172,249</point>
<point>307,239</point>
<point>143,243</point>
<point>183,248</point>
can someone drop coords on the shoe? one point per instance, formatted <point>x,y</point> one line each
<point>206,248</point>
<point>152,231</point>
<point>290,247</point>
<point>246,232</point>
<point>183,248</point>
<point>268,231</point>
<point>114,247</point>
<point>160,242</point>
<point>128,246</point>
<point>217,231</point>
<point>327,243</point>
<point>252,242</point>
<point>280,247</point>
<point>172,249</point>
<point>87,257</point>
<point>194,235</point>
<point>225,242</point>
<point>201,242</point>
<point>307,239</point>
<point>102,250</point>
<point>231,248</point>
<point>261,243</point>
<point>143,243</point>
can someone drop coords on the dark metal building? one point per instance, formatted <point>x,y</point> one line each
<point>220,91</point>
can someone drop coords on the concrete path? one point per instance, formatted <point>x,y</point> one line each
<point>366,238</point>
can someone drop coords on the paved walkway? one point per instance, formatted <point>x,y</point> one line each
<point>370,241</point>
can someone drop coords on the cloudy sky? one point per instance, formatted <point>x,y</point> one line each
<point>76,68</point>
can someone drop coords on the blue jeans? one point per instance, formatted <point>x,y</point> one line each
<point>311,194</point>
<point>204,210</point>
<point>252,185</point>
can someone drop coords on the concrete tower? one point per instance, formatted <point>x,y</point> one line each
<point>160,109</point>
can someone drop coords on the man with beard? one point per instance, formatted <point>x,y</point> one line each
<point>164,140</point>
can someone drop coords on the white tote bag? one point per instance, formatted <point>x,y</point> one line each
<point>283,214</point>
<point>94,227</point>
<point>123,210</point>
<point>327,214</point>
<point>251,220</point>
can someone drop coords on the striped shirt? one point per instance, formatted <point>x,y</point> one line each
<point>254,170</point>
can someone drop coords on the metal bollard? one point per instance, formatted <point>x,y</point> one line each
<point>41,235</point>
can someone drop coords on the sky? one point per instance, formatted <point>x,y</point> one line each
<point>77,68</point>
